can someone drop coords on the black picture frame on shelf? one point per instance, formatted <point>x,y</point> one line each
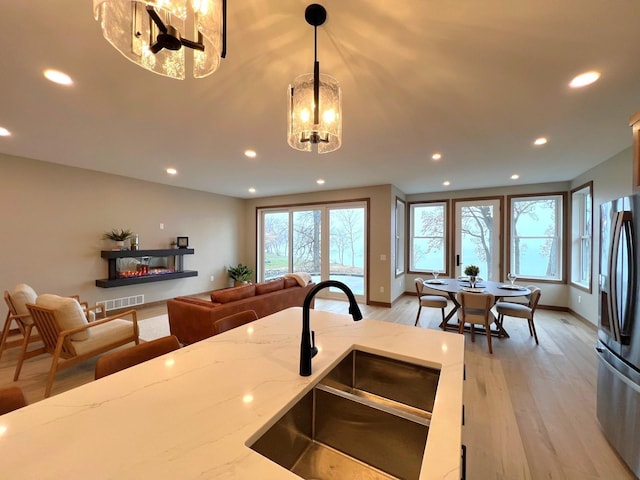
<point>182,242</point>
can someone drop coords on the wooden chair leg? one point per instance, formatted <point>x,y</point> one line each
<point>472,327</point>
<point>50,378</point>
<point>23,352</point>
<point>53,369</point>
<point>532,327</point>
<point>487,326</point>
<point>5,333</point>
<point>418,316</point>
<point>444,322</point>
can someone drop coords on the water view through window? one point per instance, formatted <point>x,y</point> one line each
<point>327,242</point>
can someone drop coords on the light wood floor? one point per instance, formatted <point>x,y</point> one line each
<point>530,410</point>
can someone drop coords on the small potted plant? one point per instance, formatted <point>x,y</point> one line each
<point>240,274</point>
<point>472,271</point>
<point>118,236</point>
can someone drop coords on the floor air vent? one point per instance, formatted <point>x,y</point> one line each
<point>124,302</point>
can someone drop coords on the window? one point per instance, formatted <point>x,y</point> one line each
<point>428,224</point>
<point>536,241</point>
<point>400,219</point>
<point>327,241</point>
<point>581,233</point>
<point>275,241</point>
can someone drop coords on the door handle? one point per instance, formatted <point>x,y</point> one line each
<point>457,260</point>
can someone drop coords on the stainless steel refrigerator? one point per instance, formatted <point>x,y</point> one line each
<point>618,347</point>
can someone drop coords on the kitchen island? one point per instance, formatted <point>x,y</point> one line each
<point>192,413</point>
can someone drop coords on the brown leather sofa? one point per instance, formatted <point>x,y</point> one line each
<point>193,319</point>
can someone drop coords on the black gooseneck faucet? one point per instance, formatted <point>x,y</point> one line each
<point>308,348</point>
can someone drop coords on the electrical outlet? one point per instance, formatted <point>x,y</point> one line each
<point>381,289</point>
<point>579,298</point>
<point>162,226</point>
<point>211,278</point>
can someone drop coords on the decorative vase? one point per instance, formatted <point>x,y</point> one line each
<point>472,281</point>
<point>119,245</point>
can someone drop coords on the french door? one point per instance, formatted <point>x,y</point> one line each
<point>477,236</point>
<point>329,242</point>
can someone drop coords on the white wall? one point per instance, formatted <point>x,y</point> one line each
<point>53,218</point>
<point>611,179</point>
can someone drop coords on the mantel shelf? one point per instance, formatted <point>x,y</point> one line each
<point>146,253</point>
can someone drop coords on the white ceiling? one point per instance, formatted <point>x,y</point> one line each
<point>475,80</point>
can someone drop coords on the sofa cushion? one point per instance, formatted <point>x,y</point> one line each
<point>270,286</point>
<point>232,294</point>
<point>68,313</point>
<point>290,282</point>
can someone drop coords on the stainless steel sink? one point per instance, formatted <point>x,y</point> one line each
<point>367,418</point>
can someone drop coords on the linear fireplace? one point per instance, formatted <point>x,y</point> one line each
<point>130,267</point>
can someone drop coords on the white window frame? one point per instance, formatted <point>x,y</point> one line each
<point>559,199</point>
<point>412,237</point>
<point>582,236</point>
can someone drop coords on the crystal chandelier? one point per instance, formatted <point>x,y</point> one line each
<point>149,33</point>
<point>315,101</point>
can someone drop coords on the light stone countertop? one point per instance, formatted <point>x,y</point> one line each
<point>191,413</point>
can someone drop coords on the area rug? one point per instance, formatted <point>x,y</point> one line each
<point>154,327</point>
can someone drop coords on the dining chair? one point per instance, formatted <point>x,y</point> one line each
<point>519,310</point>
<point>11,398</point>
<point>122,359</point>
<point>68,335</point>
<point>475,309</point>
<point>431,301</point>
<point>236,320</point>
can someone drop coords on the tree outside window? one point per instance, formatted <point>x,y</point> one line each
<point>428,241</point>
<point>477,229</point>
<point>536,237</point>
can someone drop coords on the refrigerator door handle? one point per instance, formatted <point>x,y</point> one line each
<point>612,303</point>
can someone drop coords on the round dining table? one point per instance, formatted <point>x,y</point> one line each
<point>452,286</point>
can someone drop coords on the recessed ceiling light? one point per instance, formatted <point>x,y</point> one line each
<point>436,156</point>
<point>515,176</point>
<point>250,153</point>
<point>58,77</point>
<point>252,190</point>
<point>446,183</point>
<point>172,171</point>
<point>584,79</point>
<point>4,132</point>
<point>320,181</point>
<point>540,141</point>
